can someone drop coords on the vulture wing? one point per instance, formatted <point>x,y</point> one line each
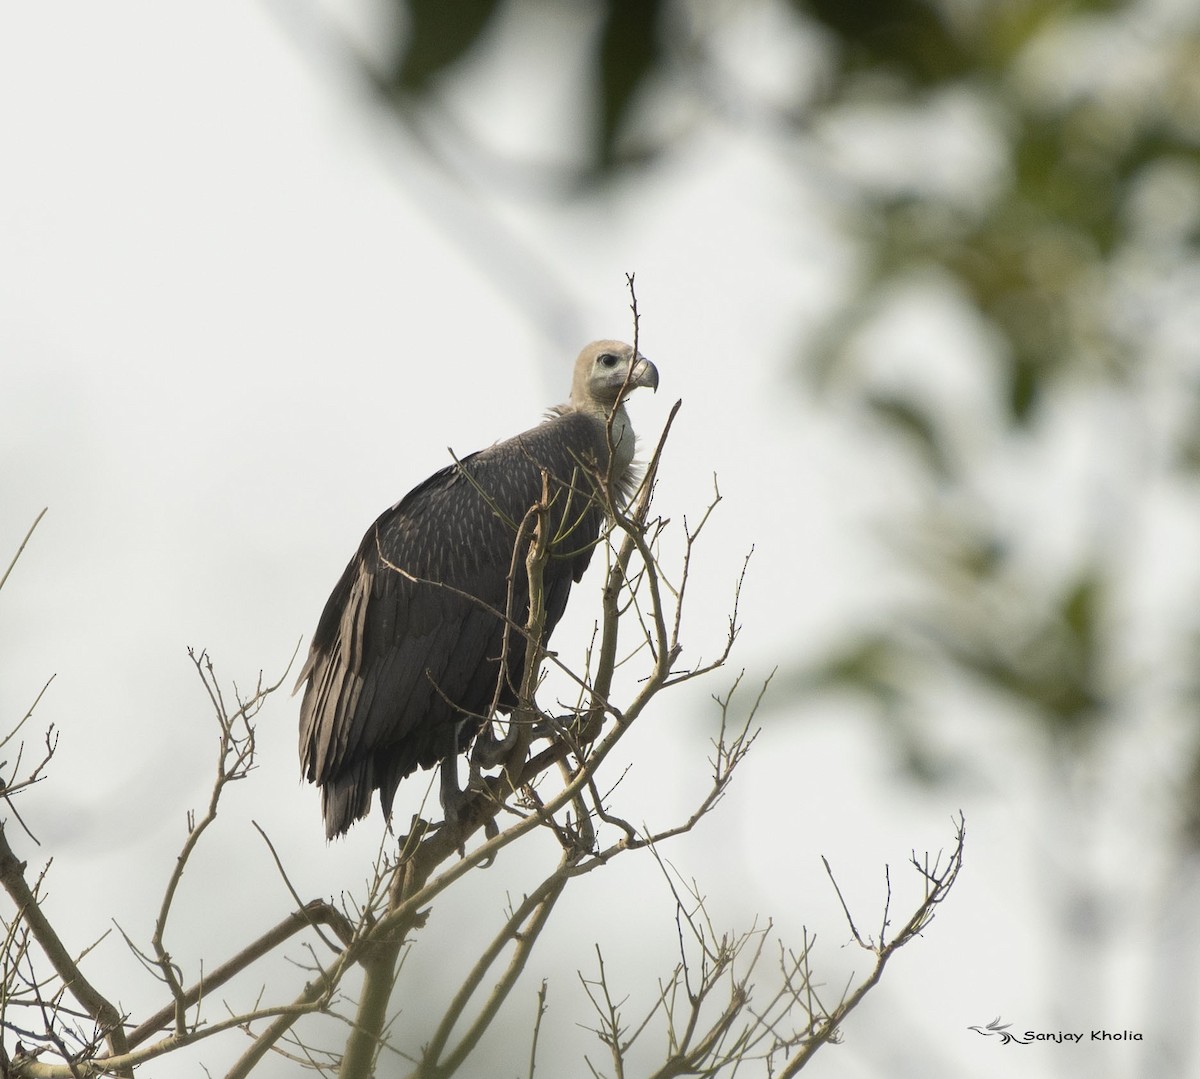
<point>405,663</point>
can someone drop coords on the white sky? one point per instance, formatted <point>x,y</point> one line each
<point>237,320</point>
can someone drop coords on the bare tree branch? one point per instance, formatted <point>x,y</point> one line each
<point>98,1007</point>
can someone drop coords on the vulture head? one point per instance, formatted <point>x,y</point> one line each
<point>605,372</point>
<point>602,375</point>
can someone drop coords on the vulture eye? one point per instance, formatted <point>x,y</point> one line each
<point>608,359</point>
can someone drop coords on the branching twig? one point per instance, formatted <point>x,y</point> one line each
<point>235,759</point>
<point>938,880</point>
<point>106,1016</point>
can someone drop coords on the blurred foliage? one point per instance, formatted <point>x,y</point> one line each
<point>438,36</point>
<point>908,38</point>
<point>628,48</point>
<point>1033,259</point>
<point>1044,259</point>
<point>1092,110</point>
<point>629,52</point>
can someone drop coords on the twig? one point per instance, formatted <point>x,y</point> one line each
<point>36,521</point>
<point>539,1015</point>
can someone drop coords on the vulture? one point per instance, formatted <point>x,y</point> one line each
<point>405,664</point>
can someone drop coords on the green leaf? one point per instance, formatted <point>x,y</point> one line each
<point>907,37</point>
<point>630,50</point>
<point>439,34</point>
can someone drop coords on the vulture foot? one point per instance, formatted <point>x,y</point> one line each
<point>490,751</point>
<point>455,801</point>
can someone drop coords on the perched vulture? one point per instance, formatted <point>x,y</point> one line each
<point>404,667</point>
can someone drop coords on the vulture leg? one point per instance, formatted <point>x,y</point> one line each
<point>489,751</point>
<point>452,798</point>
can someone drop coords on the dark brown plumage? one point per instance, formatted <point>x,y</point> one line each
<point>405,662</point>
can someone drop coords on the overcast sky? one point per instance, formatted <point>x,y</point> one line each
<point>239,318</point>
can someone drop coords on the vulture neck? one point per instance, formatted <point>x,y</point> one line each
<point>623,439</point>
<point>622,443</point>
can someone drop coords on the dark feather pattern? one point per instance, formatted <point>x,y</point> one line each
<point>405,661</point>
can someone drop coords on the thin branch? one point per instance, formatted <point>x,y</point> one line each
<point>334,919</point>
<point>36,521</point>
<point>522,930</point>
<point>9,788</point>
<point>539,1015</point>
<point>124,1063</point>
<point>313,914</point>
